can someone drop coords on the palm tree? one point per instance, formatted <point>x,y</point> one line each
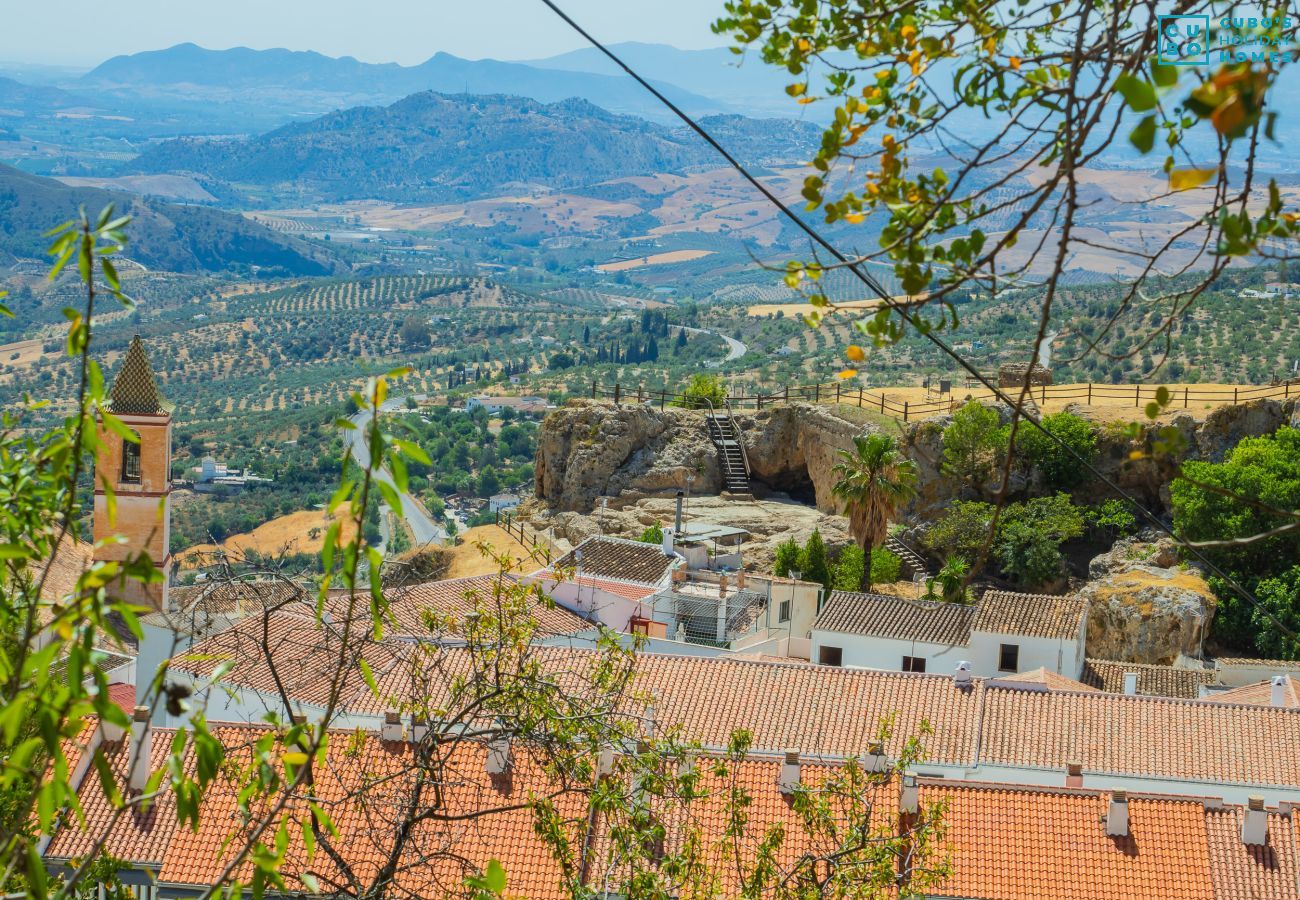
<point>875,479</point>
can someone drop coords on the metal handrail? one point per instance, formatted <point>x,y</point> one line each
<point>740,438</point>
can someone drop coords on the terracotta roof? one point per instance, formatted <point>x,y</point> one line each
<point>1232,661</point>
<point>1261,693</point>
<point>1030,615</point>
<point>611,557</point>
<point>609,585</point>
<point>458,597</point>
<point>1149,736</point>
<point>1155,681</point>
<point>879,615</point>
<point>1267,872</point>
<point>70,560</point>
<point>1052,681</point>
<point>123,695</point>
<point>134,390</point>
<point>1020,844</point>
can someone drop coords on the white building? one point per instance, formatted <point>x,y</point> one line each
<point>498,502</point>
<point>1003,633</point>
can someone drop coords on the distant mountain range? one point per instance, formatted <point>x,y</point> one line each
<point>432,147</point>
<point>296,83</point>
<point>162,235</point>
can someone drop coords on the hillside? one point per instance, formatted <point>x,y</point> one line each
<point>163,235</point>
<point>304,82</point>
<point>433,146</point>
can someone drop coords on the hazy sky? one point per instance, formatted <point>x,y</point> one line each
<point>86,32</point>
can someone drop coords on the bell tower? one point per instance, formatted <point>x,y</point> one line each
<point>139,475</point>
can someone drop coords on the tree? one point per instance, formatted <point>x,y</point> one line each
<point>847,574</point>
<point>652,535</point>
<point>961,530</point>
<point>702,391</point>
<point>886,567</point>
<point>1030,535</point>
<point>786,558</point>
<point>973,444</point>
<point>1060,467</point>
<point>814,563</point>
<point>415,332</point>
<point>874,481</point>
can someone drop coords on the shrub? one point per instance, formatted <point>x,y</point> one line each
<point>786,559</point>
<point>1060,469</point>
<point>961,531</point>
<point>814,561</point>
<point>973,444</point>
<point>652,535</point>
<point>846,575</point>
<point>886,567</point>
<point>703,388</point>
<point>1112,517</point>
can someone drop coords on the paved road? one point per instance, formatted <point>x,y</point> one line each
<point>422,526</point>
<point>735,349</point>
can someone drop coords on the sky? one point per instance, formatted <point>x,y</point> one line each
<point>403,31</point>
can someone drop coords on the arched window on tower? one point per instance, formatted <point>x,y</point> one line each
<point>131,461</point>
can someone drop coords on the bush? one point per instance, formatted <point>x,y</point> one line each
<point>973,444</point>
<point>703,388</point>
<point>786,559</point>
<point>814,562</point>
<point>1060,469</point>
<point>1030,537</point>
<point>961,531</point>
<point>846,575</point>
<point>1112,517</point>
<point>886,567</point>
<point>1281,597</point>
<point>652,535</point>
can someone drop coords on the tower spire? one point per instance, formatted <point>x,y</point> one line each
<point>135,391</point>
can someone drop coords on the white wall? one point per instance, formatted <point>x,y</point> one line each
<point>611,610</point>
<point>887,653</point>
<point>1061,655</point>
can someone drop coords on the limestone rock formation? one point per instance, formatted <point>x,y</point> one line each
<point>1142,611</point>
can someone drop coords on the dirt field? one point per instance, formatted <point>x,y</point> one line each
<point>300,532</point>
<point>762,310</point>
<point>20,353</point>
<point>468,561</point>
<point>654,259</point>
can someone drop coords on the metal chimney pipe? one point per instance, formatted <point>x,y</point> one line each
<point>677,522</point>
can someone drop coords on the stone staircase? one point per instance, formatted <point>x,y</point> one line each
<point>913,564</point>
<point>725,435</point>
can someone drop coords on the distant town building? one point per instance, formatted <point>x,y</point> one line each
<point>531,405</point>
<point>498,502</point>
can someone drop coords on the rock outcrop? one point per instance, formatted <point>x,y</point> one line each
<point>1143,607</point>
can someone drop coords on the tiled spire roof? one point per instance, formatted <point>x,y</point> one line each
<point>134,390</point>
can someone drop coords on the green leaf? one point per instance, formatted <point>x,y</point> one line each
<point>1144,136</point>
<point>1138,93</point>
<point>369,676</point>
<point>1163,75</point>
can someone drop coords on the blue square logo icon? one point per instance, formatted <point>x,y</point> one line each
<point>1184,40</point>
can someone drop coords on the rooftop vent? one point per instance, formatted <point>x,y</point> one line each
<point>1117,814</point>
<point>876,760</point>
<point>1131,683</point>
<point>419,729</point>
<point>788,779</point>
<point>1074,775</point>
<point>962,674</point>
<point>909,794</point>
<point>499,756</point>
<point>1254,824</point>
<point>141,749</point>
<point>1277,691</point>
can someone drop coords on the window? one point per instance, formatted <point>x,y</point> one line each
<point>1009,658</point>
<point>130,462</point>
<point>913,663</point>
<point>783,611</point>
<point>831,656</point>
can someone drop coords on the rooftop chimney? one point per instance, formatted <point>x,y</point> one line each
<point>141,749</point>
<point>1131,684</point>
<point>1254,824</point>
<point>605,762</point>
<point>740,580</point>
<point>961,676</point>
<point>788,779</point>
<point>419,729</point>
<point>1277,691</point>
<point>909,795</point>
<point>677,521</point>
<point>876,760</point>
<point>1074,775</point>
<point>499,758</point>
<point>1117,814</point>
<point>391,730</point>
<point>722,585</point>
<point>668,541</point>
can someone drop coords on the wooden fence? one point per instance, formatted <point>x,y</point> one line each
<point>526,537</point>
<point>906,410</point>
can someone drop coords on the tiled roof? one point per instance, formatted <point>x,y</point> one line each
<point>611,557</point>
<point>1052,681</point>
<point>1156,737</point>
<point>998,843</point>
<point>1030,615</point>
<point>1020,844</point>
<point>879,615</point>
<point>608,585</point>
<point>458,597</point>
<point>1155,681</point>
<point>134,390</point>
<point>1232,661</point>
<point>1261,693</point>
<point>1267,872</point>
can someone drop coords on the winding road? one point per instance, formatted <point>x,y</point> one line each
<point>417,517</point>
<point>735,349</point>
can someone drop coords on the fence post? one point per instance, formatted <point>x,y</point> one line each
<point>817,392</point>
<point>1234,396</point>
<point>593,389</point>
<point>1184,396</point>
<point>837,392</point>
<point>859,398</point>
<point>787,393</point>
<point>905,404</point>
<point>617,389</point>
<point>663,399</point>
<point>1137,395</point>
<point>638,394</point>
<point>1042,397</point>
<point>882,403</point>
<point>1090,393</point>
